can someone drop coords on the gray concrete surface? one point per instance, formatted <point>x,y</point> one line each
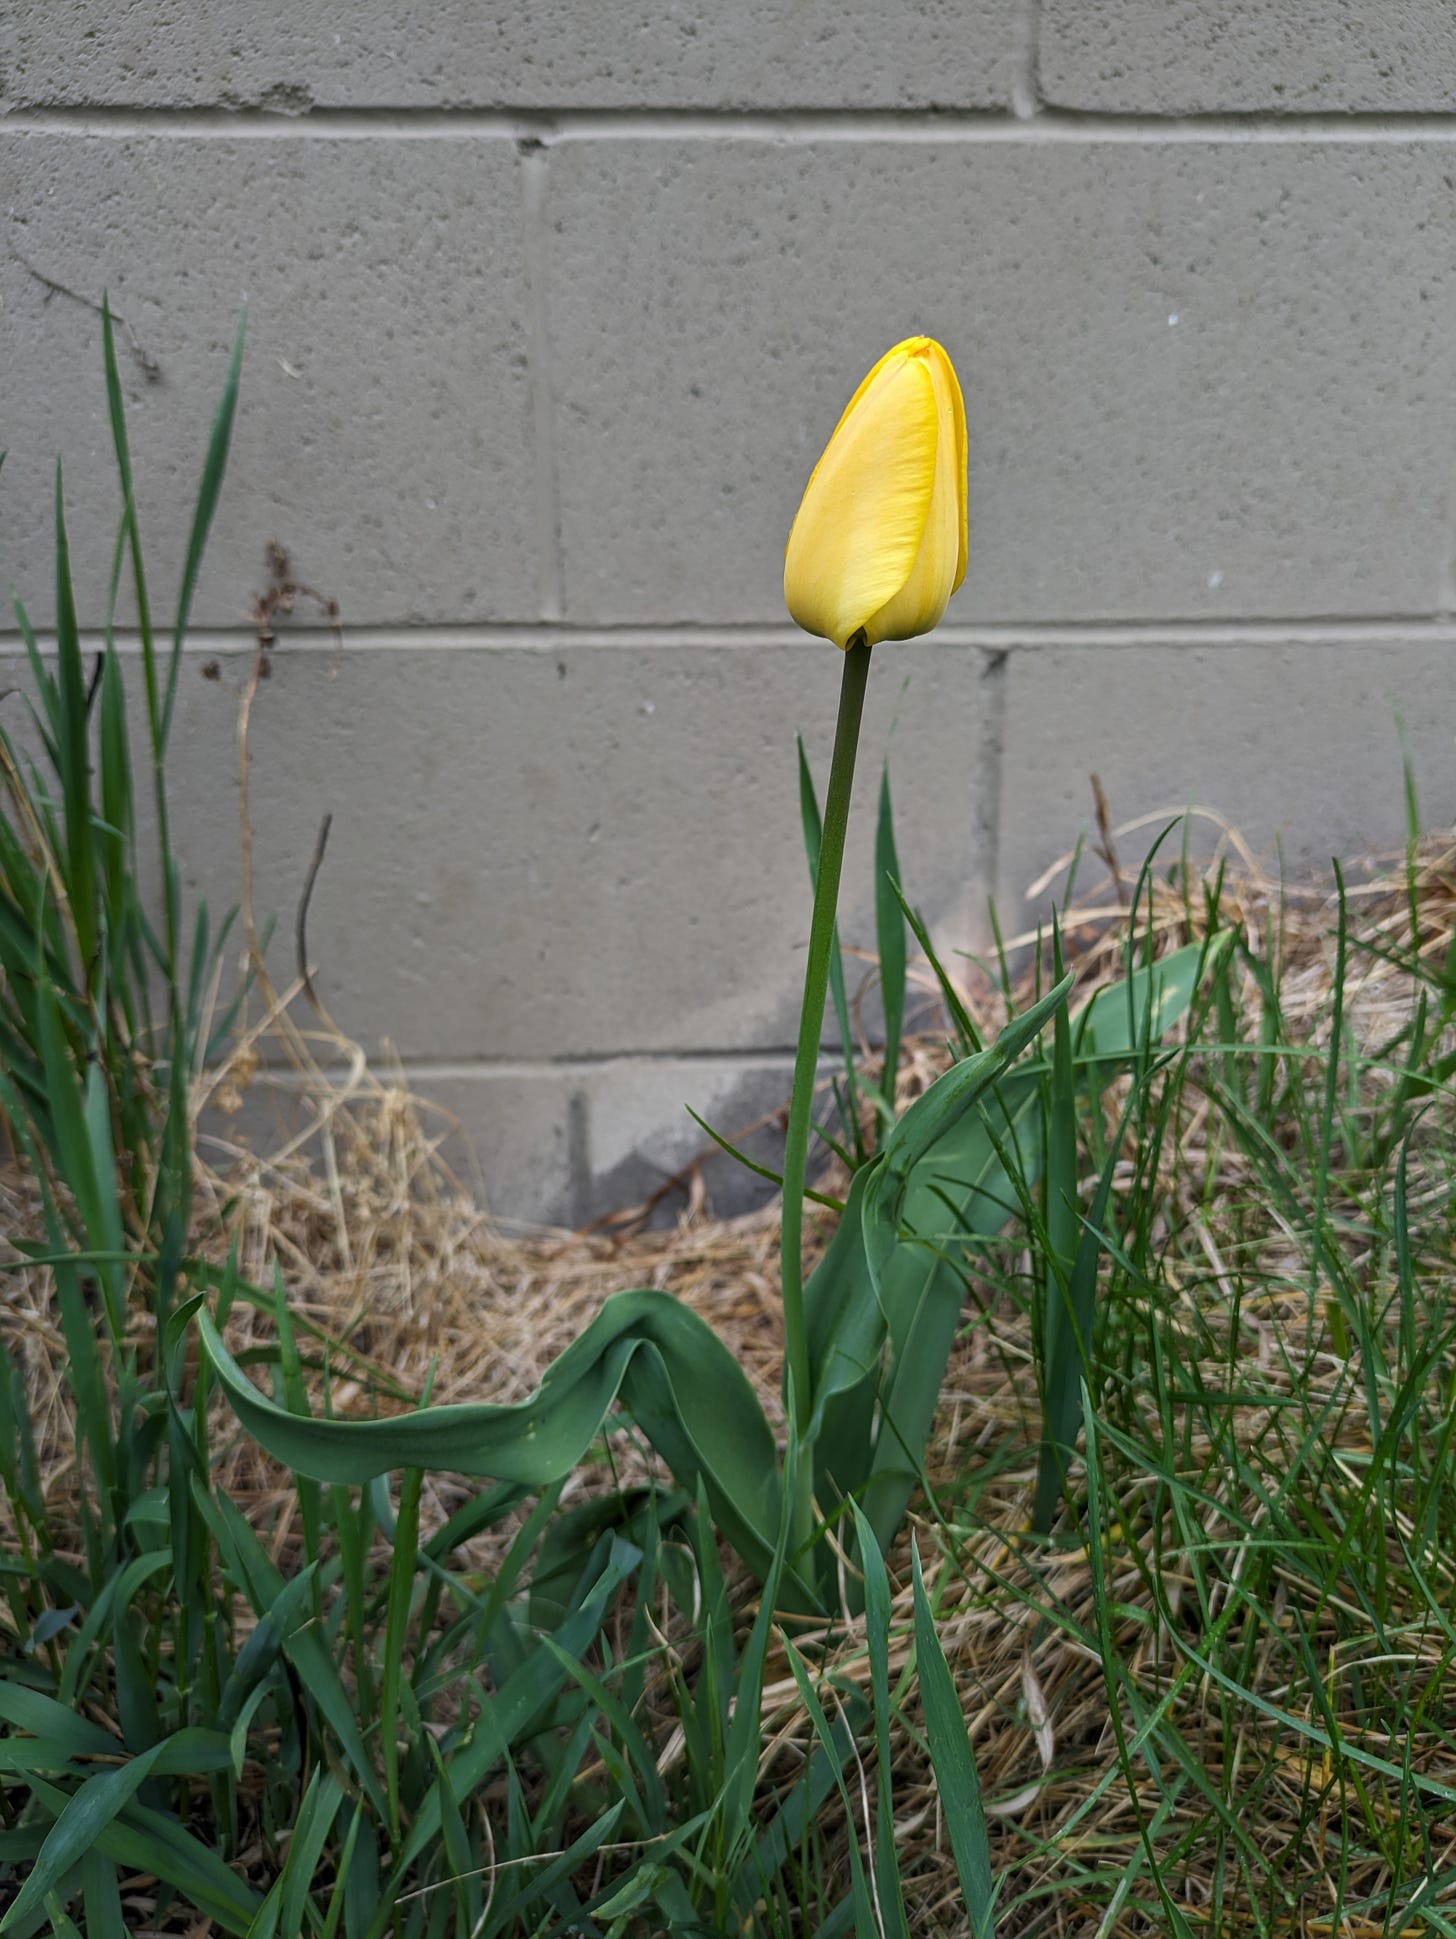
<point>562,852</point>
<point>385,436</point>
<point>1176,405</point>
<point>549,313</point>
<point>279,56</point>
<point>1298,746</point>
<point>1249,56</point>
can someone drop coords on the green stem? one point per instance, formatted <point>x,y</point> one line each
<point>806,1063</point>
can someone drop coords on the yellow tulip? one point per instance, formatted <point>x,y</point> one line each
<point>879,541</point>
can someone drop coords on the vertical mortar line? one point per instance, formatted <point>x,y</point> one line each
<point>1446,566</point>
<point>578,1158</point>
<point>534,167</point>
<point>989,806</point>
<point>1026,101</point>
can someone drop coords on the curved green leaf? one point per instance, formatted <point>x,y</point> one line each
<point>892,1281</point>
<point>644,1351</point>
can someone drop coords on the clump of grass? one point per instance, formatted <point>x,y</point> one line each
<point>1219,1687</point>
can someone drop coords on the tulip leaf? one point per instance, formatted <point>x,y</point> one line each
<point>866,1289</point>
<point>889,1289</point>
<point>891,1284</point>
<point>645,1350</point>
<point>935,1113</point>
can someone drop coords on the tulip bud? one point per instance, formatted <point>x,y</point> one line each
<point>879,542</point>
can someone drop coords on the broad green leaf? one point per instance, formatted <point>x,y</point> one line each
<point>146,1840</point>
<point>937,1112</point>
<point>664,1364</point>
<point>92,1808</point>
<point>955,1194</point>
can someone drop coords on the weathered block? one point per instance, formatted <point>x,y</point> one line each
<point>385,431</point>
<point>1212,56</point>
<point>290,57</point>
<point>1203,379</point>
<point>539,854</point>
<point>1295,745</point>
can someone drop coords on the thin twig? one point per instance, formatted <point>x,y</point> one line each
<point>305,976</point>
<point>151,366</point>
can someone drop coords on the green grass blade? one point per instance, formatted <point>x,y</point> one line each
<point>968,1038</point>
<point>889,939</point>
<point>1063,1351</point>
<point>116,413</point>
<point>208,492</point>
<point>402,1564</point>
<point>34,1714</point>
<point>813,836</point>
<point>101,1898</point>
<point>257,1577</point>
<point>115,835</point>
<point>866,1924</point>
<point>75,752</point>
<point>744,1730</point>
<point>146,1841</point>
<point>517,1707</point>
<point>877,1636</point>
<point>954,1764</point>
<point>316,1817</point>
<point>1318,1260</point>
<point>741,1157</point>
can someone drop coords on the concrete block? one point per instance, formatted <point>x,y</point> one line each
<point>1199,57</point>
<point>588,849</point>
<point>1296,745</point>
<point>560,1144</point>
<point>384,434</point>
<point>639,1132</point>
<point>288,58</point>
<point>1214,380</point>
<point>512,1135</point>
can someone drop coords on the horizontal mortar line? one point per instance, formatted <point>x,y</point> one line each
<point>582,1062</point>
<point>553,125</point>
<point>1000,636</point>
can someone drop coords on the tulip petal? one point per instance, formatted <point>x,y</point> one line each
<point>940,562</point>
<point>948,394</point>
<point>862,522</point>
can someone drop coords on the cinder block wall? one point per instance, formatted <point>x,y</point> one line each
<point>550,309</point>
